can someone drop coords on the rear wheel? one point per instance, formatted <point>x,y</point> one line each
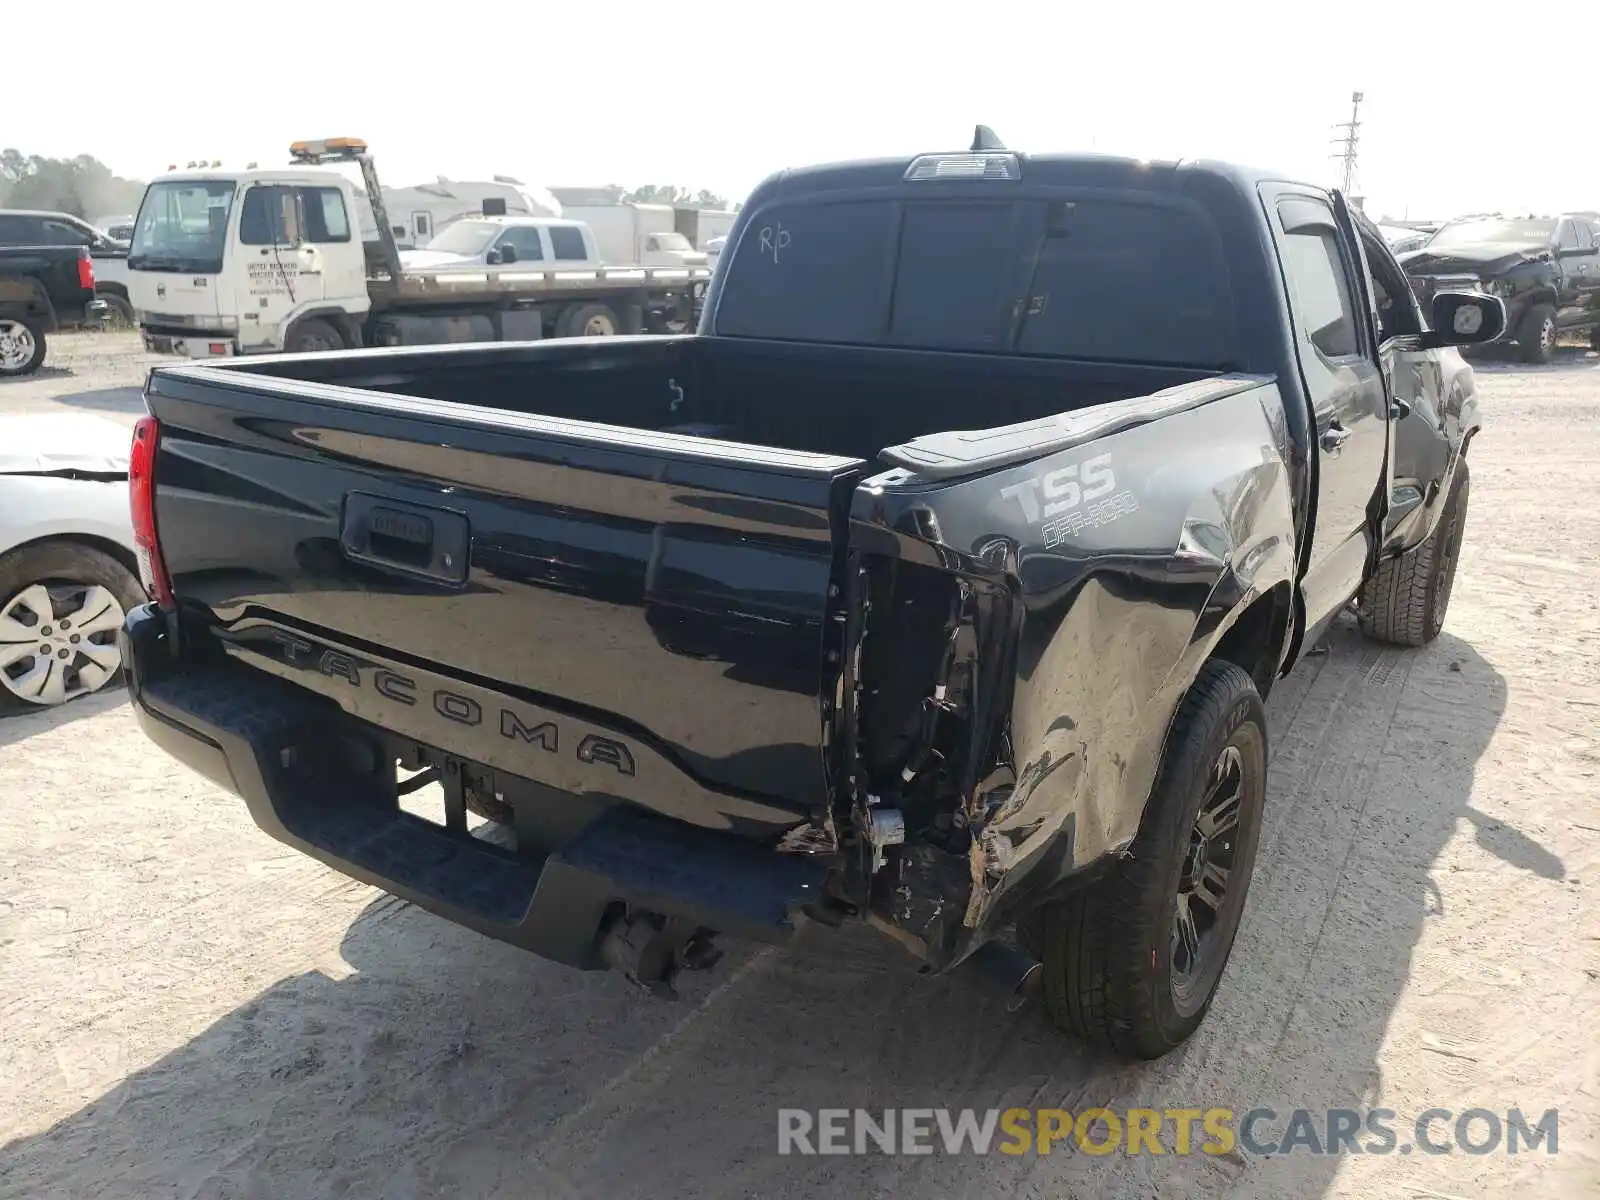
<point>119,313</point>
<point>1132,962</point>
<point>312,336</point>
<point>61,606</point>
<point>1537,334</point>
<point>1594,338</point>
<point>22,346</point>
<point>590,320</point>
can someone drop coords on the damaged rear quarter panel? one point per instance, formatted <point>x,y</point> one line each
<point>1130,556</point>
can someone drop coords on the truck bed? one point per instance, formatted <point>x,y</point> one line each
<point>845,401</point>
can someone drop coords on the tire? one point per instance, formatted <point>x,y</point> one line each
<point>22,346</point>
<point>589,320</point>
<point>1405,602</point>
<point>1594,338</point>
<point>119,313</point>
<point>312,336</point>
<point>72,579</point>
<point>1536,336</point>
<point>1113,974</point>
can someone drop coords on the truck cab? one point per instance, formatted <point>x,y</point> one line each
<point>478,242</point>
<point>23,228</point>
<point>223,261</point>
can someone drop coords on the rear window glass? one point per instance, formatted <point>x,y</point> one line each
<point>811,273</point>
<point>941,244</point>
<point>1108,279</point>
<point>1131,282</point>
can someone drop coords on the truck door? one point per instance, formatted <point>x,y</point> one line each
<point>1347,393</point>
<point>330,248</point>
<point>280,273</point>
<point>1585,267</point>
<point>1574,267</point>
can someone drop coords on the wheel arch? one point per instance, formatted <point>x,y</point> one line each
<point>88,541</point>
<point>1257,638</point>
<point>342,322</point>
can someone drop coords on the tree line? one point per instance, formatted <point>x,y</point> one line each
<point>83,186</point>
<point>678,197</point>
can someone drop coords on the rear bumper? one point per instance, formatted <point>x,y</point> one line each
<point>262,738</point>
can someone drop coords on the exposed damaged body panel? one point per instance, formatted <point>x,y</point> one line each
<point>1071,600</point>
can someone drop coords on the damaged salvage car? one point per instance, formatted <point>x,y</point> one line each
<point>936,582</point>
<point>68,575</point>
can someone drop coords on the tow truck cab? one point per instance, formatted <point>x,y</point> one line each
<point>223,262</point>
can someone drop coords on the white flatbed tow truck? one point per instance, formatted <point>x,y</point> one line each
<point>265,260</point>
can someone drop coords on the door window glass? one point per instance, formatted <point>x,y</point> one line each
<point>525,238</point>
<point>324,220</point>
<point>1320,291</point>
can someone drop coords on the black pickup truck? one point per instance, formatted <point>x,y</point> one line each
<point>42,289</point>
<point>936,582</point>
<point>1546,270</point>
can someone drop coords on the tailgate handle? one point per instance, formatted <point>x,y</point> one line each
<point>410,539</point>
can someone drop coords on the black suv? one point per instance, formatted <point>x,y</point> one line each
<point>1546,269</point>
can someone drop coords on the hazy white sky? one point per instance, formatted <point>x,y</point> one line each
<point>619,91</point>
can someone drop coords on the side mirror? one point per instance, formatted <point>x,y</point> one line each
<point>1465,319</point>
<point>492,257</point>
<point>508,254</point>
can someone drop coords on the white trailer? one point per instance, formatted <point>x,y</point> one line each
<point>417,213</point>
<point>701,225</point>
<point>637,233</point>
<point>258,261</point>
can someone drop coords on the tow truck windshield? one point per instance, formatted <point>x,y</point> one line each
<point>182,226</point>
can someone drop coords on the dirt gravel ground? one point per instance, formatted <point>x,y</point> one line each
<point>189,1010</point>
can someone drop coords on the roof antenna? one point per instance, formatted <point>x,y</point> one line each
<point>984,138</point>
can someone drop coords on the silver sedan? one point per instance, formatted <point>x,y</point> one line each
<point>68,573</point>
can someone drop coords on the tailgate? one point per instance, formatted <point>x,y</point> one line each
<point>598,609</point>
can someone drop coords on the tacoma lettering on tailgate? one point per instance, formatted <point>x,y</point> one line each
<point>452,706</point>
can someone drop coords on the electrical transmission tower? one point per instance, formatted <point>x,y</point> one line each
<point>1348,141</point>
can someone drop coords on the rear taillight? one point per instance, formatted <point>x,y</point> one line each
<point>85,271</point>
<point>142,502</point>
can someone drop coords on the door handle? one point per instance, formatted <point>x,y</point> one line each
<point>1334,437</point>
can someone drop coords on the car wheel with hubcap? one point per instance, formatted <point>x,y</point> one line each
<point>1132,961</point>
<point>590,320</point>
<point>61,606</point>
<point>22,346</point>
